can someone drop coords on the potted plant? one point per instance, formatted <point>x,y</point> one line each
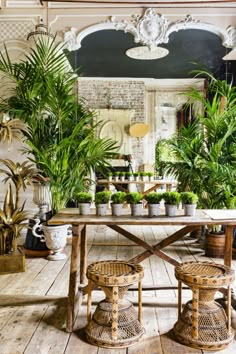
<point>135,201</point>
<point>143,174</point>
<point>62,139</point>
<point>129,175</point>
<point>84,200</point>
<point>150,176</point>
<point>117,198</point>
<point>204,151</point>
<point>109,176</point>
<point>117,175</point>
<point>189,201</point>
<point>101,200</point>
<point>122,175</point>
<point>136,176</point>
<point>153,199</point>
<point>172,200</point>
<point>13,218</point>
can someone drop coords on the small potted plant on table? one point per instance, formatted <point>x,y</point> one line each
<point>84,200</point>
<point>153,199</point>
<point>189,201</point>
<point>134,199</point>
<point>172,200</point>
<point>117,198</point>
<point>101,200</point>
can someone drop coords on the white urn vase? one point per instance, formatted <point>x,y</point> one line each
<point>55,237</point>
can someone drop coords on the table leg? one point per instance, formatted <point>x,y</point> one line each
<point>83,255</point>
<point>228,245</point>
<point>73,277</point>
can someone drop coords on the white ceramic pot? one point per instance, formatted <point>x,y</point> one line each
<point>136,209</point>
<point>153,210</point>
<point>170,209</point>
<point>101,209</point>
<point>55,237</point>
<point>189,209</point>
<point>84,208</point>
<point>116,209</point>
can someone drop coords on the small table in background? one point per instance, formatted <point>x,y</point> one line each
<point>155,184</point>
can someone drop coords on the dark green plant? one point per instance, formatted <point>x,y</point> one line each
<point>136,174</point>
<point>83,197</point>
<point>62,133</point>
<point>118,197</point>
<point>202,156</point>
<point>129,174</point>
<point>150,174</point>
<point>189,198</point>
<point>134,198</point>
<point>172,198</point>
<point>102,197</point>
<point>122,173</point>
<point>153,198</point>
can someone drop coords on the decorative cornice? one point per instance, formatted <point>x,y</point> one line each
<point>150,30</point>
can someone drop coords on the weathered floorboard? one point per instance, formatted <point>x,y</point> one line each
<point>33,306</point>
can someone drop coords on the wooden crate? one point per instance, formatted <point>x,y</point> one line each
<point>12,263</point>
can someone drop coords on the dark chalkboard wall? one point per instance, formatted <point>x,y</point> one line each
<point>102,54</point>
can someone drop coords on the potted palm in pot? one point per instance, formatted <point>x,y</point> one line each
<point>84,200</point>
<point>135,201</point>
<point>101,200</point>
<point>204,151</point>
<point>172,200</point>
<point>118,199</point>
<point>153,199</point>
<point>62,138</point>
<point>189,201</point>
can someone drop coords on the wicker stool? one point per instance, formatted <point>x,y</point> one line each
<point>114,322</point>
<point>203,323</point>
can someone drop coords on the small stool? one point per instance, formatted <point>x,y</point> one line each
<point>203,323</point>
<point>114,322</point>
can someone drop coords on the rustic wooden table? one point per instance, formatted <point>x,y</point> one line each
<point>79,243</point>
<point>155,184</point>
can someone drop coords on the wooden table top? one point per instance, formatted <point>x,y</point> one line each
<point>202,217</point>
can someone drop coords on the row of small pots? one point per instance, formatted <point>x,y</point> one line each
<point>137,209</point>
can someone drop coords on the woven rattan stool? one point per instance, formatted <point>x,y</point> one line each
<point>114,322</point>
<point>203,323</point>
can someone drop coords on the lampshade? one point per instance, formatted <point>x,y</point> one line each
<point>40,30</point>
<point>139,130</point>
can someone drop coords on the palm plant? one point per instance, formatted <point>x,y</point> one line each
<point>204,153</point>
<point>62,130</point>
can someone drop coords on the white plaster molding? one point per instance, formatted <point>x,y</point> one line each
<point>23,4</point>
<point>150,29</point>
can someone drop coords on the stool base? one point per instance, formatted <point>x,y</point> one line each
<point>213,333</point>
<point>99,331</point>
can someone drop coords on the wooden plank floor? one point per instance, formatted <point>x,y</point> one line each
<point>32,311</point>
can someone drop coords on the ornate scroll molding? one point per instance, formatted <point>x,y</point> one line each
<point>151,29</point>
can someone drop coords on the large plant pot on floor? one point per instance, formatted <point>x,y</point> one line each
<point>215,244</point>
<point>55,237</point>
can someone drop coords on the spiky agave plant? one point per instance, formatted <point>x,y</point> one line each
<point>11,223</point>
